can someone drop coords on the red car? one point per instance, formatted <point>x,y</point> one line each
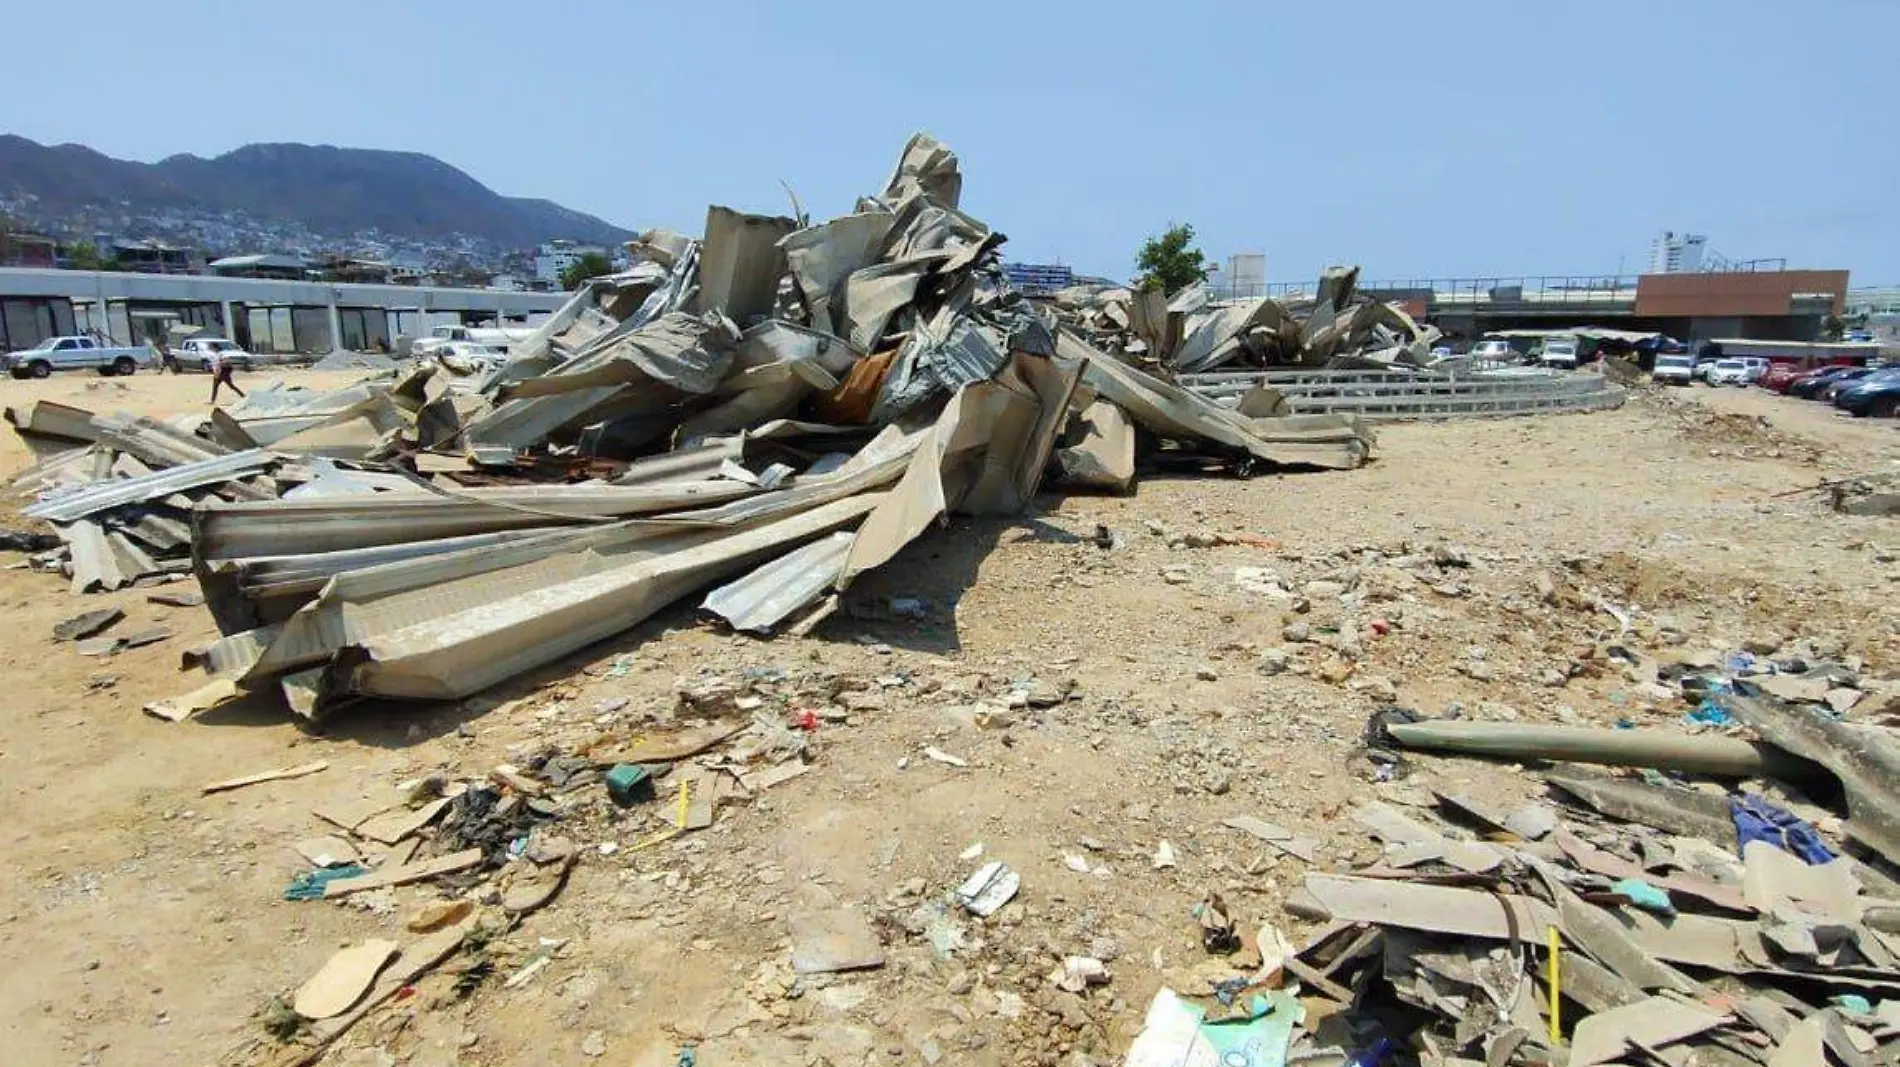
<point>1778,377</point>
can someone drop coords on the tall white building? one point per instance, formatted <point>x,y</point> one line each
<point>1246,273</point>
<point>1677,253</point>
<point>556,256</point>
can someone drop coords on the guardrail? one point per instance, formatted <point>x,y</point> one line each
<point>1389,396</point>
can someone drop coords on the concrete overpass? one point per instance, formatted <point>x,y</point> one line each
<point>264,315</point>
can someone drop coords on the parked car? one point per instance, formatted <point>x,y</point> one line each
<point>1809,385</point>
<point>1877,395</point>
<point>78,353</point>
<point>1839,382</point>
<point>1495,349</point>
<point>1728,372</point>
<point>198,353</point>
<point>1778,377</point>
<point>1560,352</point>
<point>1676,369</point>
<point>441,337</point>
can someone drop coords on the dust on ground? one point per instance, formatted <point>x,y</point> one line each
<point>1475,563</point>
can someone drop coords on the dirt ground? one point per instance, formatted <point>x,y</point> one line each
<point>144,923</point>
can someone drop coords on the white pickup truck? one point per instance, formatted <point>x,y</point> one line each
<point>77,353</point>
<point>441,337</point>
<point>199,353</point>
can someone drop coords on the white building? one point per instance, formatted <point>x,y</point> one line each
<point>553,258</point>
<point>1246,274</point>
<point>1677,253</point>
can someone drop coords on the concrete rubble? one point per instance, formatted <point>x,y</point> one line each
<point>767,412</point>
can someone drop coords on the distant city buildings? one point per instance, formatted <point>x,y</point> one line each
<point>154,257</point>
<point>18,249</point>
<point>1677,253</point>
<point>1038,277</point>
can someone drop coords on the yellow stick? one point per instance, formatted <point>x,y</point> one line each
<point>681,821</point>
<point>1556,977</point>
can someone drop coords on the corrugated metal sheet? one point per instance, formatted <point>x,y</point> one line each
<point>761,600</point>
<point>77,503</point>
<point>335,524</point>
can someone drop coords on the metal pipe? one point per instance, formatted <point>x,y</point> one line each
<point>1701,754</point>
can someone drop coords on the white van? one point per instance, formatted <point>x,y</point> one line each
<point>1676,369</point>
<point>1560,352</point>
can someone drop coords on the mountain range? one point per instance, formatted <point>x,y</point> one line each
<point>320,188</point>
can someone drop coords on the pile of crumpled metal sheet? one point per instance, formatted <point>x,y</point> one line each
<point>765,412</point>
<point>119,490</point>
<point>1187,332</point>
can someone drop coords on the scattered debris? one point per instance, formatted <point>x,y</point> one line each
<point>939,755</point>
<point>181,599</point>
<point>86,624</point>
<point>328,851</point>
<point>991,887</point>
<point>1220,935</point>
<point>343,980</point>
<point>405,874</point>
<point>277,775</point>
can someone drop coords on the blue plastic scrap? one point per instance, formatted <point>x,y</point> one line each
<point>309,885</point>
<point>1372,1055</point>
<point>1853,1004</point>
<point>689,1057</point>
<point>1709,713</point>
<point>1645,896</point>
<point>1758,820</point>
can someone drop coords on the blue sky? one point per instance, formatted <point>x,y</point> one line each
<point>1417,139</point>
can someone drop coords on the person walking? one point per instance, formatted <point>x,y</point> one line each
<point>221,370</point>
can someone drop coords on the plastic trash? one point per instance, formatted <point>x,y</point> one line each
<point>1853,1004</point>
<point>309,885</point>
<point>1709,713</point>
<point>1645,896</point>
<point>1758,820</point>
<point>629,783</point>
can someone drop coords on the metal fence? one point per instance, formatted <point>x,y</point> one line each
<point>1391,396</point>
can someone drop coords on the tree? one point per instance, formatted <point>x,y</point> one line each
<point>84,255</point>
<point>590,265</point>
<point>1170,262</point>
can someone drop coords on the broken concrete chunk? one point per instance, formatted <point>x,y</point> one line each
<point>836,939</point>
<point>1281,838</point>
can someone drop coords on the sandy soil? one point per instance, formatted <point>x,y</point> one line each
<point>144,923</point>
